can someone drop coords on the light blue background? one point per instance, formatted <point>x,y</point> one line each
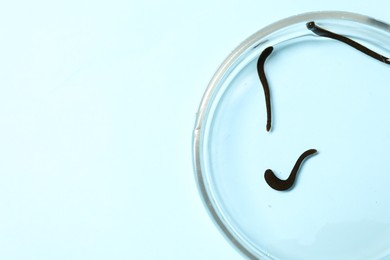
<point>97,106</point>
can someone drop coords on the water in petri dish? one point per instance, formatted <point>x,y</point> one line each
<point>326,96</point>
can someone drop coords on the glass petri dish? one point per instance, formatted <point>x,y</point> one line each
<point>325,95</point>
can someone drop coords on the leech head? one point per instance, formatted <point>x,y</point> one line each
<point>268,51</point>
<point>310,25</point>
<point>275,183</point>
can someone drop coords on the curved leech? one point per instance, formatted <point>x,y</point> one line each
<point>260,70</point>
<point>325,33</point>
<point>282,185</point>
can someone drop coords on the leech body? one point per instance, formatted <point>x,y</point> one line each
<point>282,185</point>
<point>325,33</point>
<point>273,181</point>
<point>260,70</point>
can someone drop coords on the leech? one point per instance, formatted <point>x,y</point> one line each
<point>282,185</point>
<point>325,33</point>
<point>260,70</point>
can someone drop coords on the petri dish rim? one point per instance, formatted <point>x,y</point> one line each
<point>209,96</point>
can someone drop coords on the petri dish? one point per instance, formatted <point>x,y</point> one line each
<point>324,95</point>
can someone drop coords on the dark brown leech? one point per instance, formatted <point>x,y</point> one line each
<point>325,33</point>
<point>282,185</point>
<point>260,70</point>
